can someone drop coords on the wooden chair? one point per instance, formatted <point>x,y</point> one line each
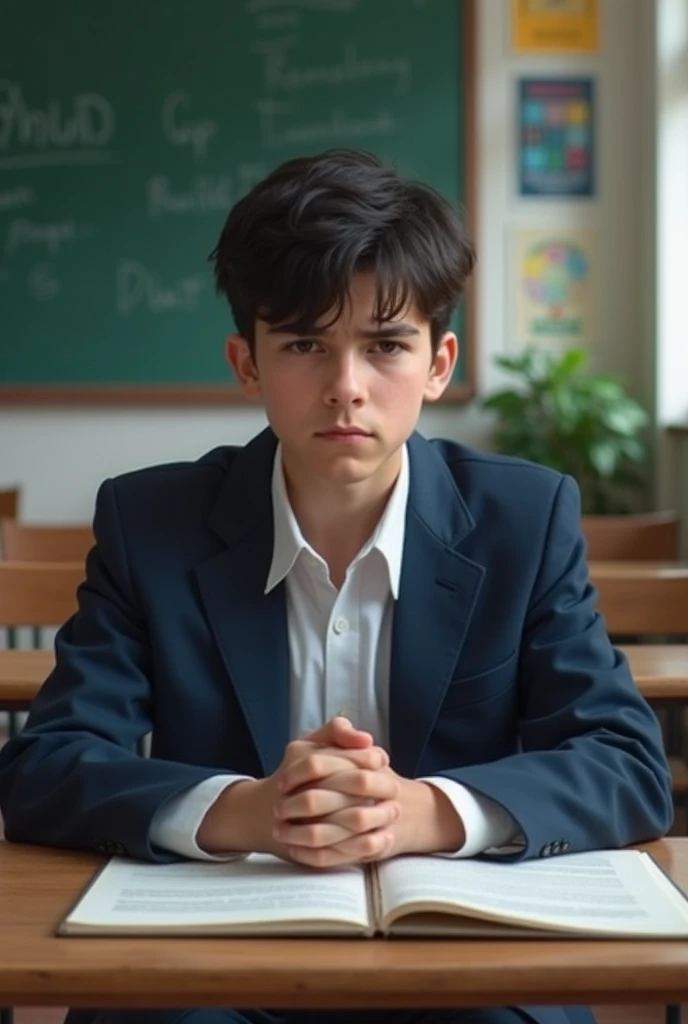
<point>644,603</point>
<point>27,542</point>
<point>646,537</point>
<point>650,604</point>
<point>9,503</point>
<point>36,594</point>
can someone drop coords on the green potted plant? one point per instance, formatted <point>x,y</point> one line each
<point>576,422</point>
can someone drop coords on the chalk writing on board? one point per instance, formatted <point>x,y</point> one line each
<point>23,233</point>
<point>70,131</point>
<point>352,67</point>
<point>338,127</point>
<point>203,195</point>
<point>182,129</point>
<point>16,198</point>
<point>138,287</point>
<point>43,282</point>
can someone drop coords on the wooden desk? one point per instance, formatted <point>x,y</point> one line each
<point>38,885</point>
<point>660,670</point>
<point>21,675</point>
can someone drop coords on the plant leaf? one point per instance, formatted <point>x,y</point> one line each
<point>604,457</point>
<point>624,417</point>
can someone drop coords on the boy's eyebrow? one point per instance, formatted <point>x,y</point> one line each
<point>389,331</point>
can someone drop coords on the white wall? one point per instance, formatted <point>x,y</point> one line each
<point>60,455</point>
<point>672,210</point>
<point>671,104</point>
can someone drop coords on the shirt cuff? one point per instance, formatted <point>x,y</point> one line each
<point>176,825</point>
<point>486,824</point>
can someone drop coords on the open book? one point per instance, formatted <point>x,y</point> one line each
<point>617,893</point>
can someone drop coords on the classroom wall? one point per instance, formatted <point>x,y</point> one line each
<point>60,455</point>
<point>672,231</point>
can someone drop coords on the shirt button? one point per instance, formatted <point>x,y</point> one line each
<point>341,625</point>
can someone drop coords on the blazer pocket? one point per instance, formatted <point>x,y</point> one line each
<point>484,686</point>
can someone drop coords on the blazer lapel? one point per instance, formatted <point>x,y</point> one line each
<point>438,591</point>
<point>437,594</point>
<point>250,627</point>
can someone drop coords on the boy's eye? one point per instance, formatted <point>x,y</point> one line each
<point>389,348</point>
<point>302,346</point>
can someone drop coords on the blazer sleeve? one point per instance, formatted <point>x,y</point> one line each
<point>591,772</point>
<point>72,777</point>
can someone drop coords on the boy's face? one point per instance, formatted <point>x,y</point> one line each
<point>343,400</point>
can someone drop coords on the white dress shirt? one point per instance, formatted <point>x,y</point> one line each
<point>339,655</point>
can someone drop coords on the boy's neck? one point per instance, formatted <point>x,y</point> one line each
<point>337,521</point>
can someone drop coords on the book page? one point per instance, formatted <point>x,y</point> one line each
<point>617,892</point>
<point>260,894</point>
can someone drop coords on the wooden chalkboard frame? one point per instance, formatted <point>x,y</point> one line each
<point>223,394</point>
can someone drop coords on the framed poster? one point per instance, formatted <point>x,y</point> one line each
<point>555,26</point>
<point>554,287</point>
<point>556,136</point>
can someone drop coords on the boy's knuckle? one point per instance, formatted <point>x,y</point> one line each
<point>313,763</point>
<point>292,750</point>
<point>370,844</point>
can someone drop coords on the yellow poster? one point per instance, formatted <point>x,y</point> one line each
<point>555,26</point>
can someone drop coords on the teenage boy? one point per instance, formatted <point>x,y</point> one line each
<point>348,642</point>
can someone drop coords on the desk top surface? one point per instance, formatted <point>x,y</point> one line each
<point>38,886</point>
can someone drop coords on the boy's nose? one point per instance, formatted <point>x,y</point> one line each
<point>345,384</point>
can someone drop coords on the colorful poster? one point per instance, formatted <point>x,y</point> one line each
<point>554,279</point>
<point>556,137</point>
<point>555,26</point>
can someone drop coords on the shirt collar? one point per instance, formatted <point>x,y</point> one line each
<point>289,542</point>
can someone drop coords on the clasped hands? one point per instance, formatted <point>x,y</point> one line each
<point>333,800</point>
<point>337,799</point>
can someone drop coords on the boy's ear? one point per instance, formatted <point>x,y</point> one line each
<point>239,357</point>
<point>442,367</point>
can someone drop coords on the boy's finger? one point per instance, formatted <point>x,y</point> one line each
<point>337,829</point>
<point>339,732</point>
<point>313,803</point>
<point>362,784</point>
<point>372,846</point>
<point>320,764</point>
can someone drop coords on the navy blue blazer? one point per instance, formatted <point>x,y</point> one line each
<point>502,676</point>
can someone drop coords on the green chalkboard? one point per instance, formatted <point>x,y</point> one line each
<point>128,129</point>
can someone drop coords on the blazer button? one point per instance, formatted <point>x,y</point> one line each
<point>566,846</point>
<point>546,850</point>
<point>556,847</point>
<point>119,849</point>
